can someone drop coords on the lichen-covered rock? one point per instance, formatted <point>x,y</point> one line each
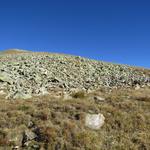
<point>29,135</point>
<point>39,73</point>
<point>43,91</point>
<point>21,95</point>
<point>4,77</point>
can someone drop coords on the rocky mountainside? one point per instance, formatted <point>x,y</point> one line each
<point>24,74</point>
<point>72,103</point>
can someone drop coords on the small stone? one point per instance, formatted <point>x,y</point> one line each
<point>98,99</point>
<point>30,124</point>
<point>2,92</point>
<point>27,143</point>
<point>36,146</point>
<point>29,135</point>
<point>137,87</point>
<point>94,121</point>
<point>16,147</point>
<point>43,91</point>
<point>20,95</point>
<point>66,97</point>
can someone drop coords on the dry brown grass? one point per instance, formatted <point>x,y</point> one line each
<point>59,123</point>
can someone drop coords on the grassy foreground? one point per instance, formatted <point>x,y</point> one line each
<point>57,122</point>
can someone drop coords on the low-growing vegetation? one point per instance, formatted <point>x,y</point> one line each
<point>55,123</point>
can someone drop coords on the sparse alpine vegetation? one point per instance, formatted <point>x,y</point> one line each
<point>48,100</point>
<point>58,123</point>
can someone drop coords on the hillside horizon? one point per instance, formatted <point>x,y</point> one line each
<point>17,50</point>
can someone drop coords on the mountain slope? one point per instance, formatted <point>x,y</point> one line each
<point>36,73</point>
<point>13,51</point>
<point>61,92</point>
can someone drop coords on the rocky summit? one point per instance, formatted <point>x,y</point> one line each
<point>24,74</point>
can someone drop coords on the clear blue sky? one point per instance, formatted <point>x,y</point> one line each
<point>110,30</point>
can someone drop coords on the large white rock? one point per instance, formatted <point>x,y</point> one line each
<point>94,121</point>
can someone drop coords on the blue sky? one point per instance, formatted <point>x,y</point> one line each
<point>110,30</point>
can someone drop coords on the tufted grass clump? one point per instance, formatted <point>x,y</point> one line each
<point>79,94</point>
<point>23,108</point>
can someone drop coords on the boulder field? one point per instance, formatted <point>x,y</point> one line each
<point>24,74</point>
